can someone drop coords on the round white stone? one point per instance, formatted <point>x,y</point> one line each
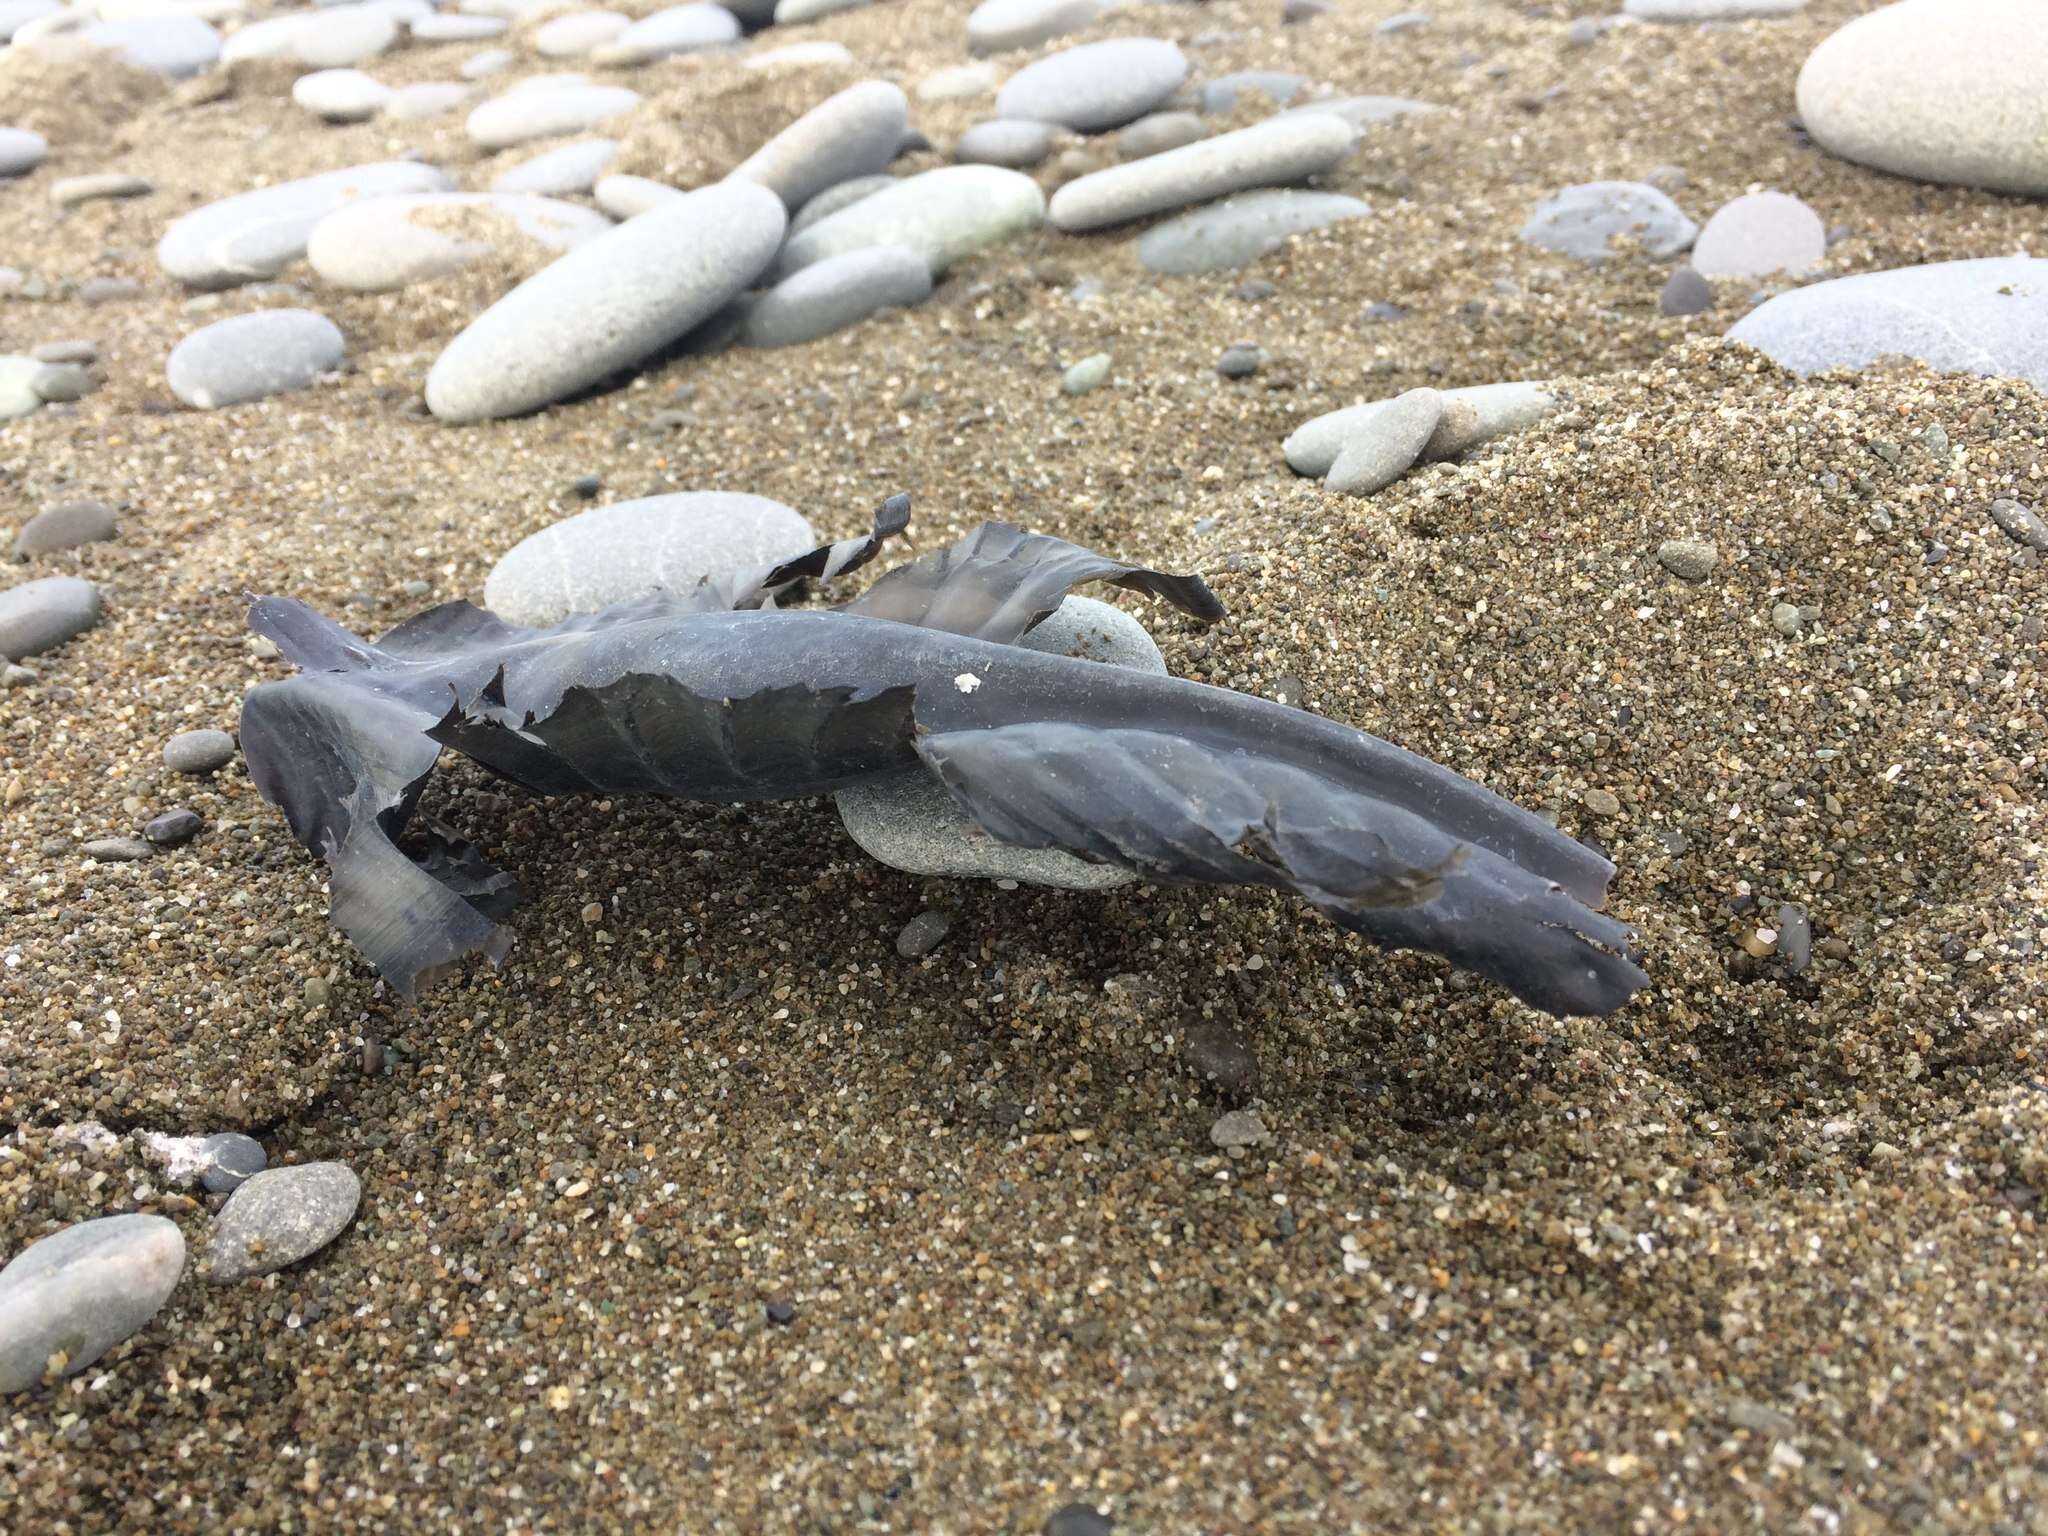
<point>341,95</point>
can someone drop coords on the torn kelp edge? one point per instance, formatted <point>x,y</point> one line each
<point>705,695</point>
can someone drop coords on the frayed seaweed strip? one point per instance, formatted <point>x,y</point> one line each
<point>682,695</point>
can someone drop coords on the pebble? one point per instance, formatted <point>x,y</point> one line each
<point>960,83</point>
<point>631,548</point>
<point>15,14</point>
<point>1787,620</point>
<point>108,290</point>
<point>1294,12</point>
<point>21,151</point>
<point>1219,1056</point>
<point>1312,447</point>
<point>1984,316</point>
<point>60,383</point>
<point>609,303</point>
<point>1407,21</point>
<point>18,395</point>
<point>391,243</point>
<point>2018,522</point>
<point>625,197</point>
<point>64,525</point>
<point>1158,132</point>
<point>854,133</point>
<point>1708,10</point>
<point>576,33</point>
<point>1458,431</point>
<point>1005,141</point>
<point>1279,150</point>
<point>923,934</point>
<point>943,215</point>
<point>832,199</point>
<point>1239,230</point>
<point>179,825</point>
<point>73,190</point>
<point>1077,1519</point>
<point>279,1216</point>
<point>173,45</point>
<point>678,29</point>
<point>790,13</point>
<point>531,112</point>
<point>340,35</point>
<point>569,170</point>
<point>341,95</point>
<point>1581,220</point>
<point>910,821</point>
<point>835,293</point>
<point>1090,373</point>
<point>1386,443</point>
<point>1239,1128</point>
<point>1005,26</point>
<point>1601,802</point>
<point>41,615</point>
<point>426,98</point>
<point>1277,86</point>
<point>77,350</point>
<point>79,1292</point>
<point>199,751</point>
<point>486,62</point>
<point>1096,85</point>
<point>1685,293</point>
<point>1361,112</point>
<point>1240,361</point>
<point>253,356</point>
<point>1759,235</point>
<point>1795,937</point>
<point>1689,559</point>
<point>257,234</point>
<point>443,27</point>
<point>116,850</point>
<point>1939,90</point>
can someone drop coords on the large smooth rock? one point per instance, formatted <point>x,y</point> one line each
<point>679,29</point>
<point>569,171</point>
<point>1988,316</point>
<point>341,95</point>
<point>253,356</point>
<point>1239,230</point>
<point>21,151</point>
<point>1095,86</point>
<point>1582,220</point>
<point>1273,153</point>
<point>1939,90</point>
<point>79,1292</point>
<point>943,215</point>
<point>530,112</point>
<point>854,133</point>
<point>608,303</point>
<point>173,44</point>
<point>41,615</point>
<point>836,293</point>
<point>279,1216</point>
<point>631,548</point>
<point>1312,448</point>
<point>258,234</point>
<point>1758,235</point>
<point>379,246</point>
<point>1000,26</point>
<point>910,822</point>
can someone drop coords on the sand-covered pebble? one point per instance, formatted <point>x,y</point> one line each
<point>1312,448</point>
<point>253,356</point>
<point>943,215</point>
<point>1584,220</point>
<point>1273,153</point>
<point>1381,447</point>
<point>68,1298</point>
<point>1095,85</point>
<point>257,234</point>
<point>279,1216</point>
<point>393,242</point>
<point>835,293</point>
<point>1685,292</point>
<point>1239,230</point>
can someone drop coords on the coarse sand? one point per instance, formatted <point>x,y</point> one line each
<point>1760,1252</point>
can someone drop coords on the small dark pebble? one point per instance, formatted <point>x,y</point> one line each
<point>1254,291</point>
<point>781,1313</point>
<point>199,751</point>
<point>64,525</point>
<point>232,1159</point>
<point>1685,293</point>
<point>1289,690</point>
<point>923,934</point>
<point>1078,1520</point>
<point>2020,522</point>
<point>116,850</point>
<point>173,827</point>
<point>585,487</point>
<point>1240,361</point>
<point>1219,1055</point>
<point>1382,313</point>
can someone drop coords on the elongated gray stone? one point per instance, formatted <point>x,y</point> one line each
<point>609,303</point>
<point>1159,132</point>
<point>630,548</point>
<point>279,1216</point>
<point>1096,85</point>
<point>1277,86</point>
<point>73,190</point>
<point>526,113</point>
<point>1583,220</point>
<point>41,615</point>
<point>943,215</point>
<point>341,95</point>
<point>379,246</point>
<point>832,199</point>
<point>563,172</point>
<point>1005,141</point>
<point>1240,229</point>
<point>1379,450</point>
<point>836,293</point>
<point>1361,112</point>
<point>854,133</point>
<point>255,235</point>
<point>678,29</point>
<point>65,525</point>
<point>1987,316</point>
<point>1275,152</point>
<point>1312,447</point>
<point>253,356</point>
<point>1000,26</point>
<point>623,197</point>
<point>72,1296</point>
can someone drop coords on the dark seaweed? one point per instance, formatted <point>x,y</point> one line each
<point>710,695</point>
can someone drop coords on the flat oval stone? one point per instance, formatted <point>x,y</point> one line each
<point>255,235</point>
<point>65,525</point>
<point>1759,235</point>
<point>1239,230</point>
<point>1312,447</point>
<point>790,13</point>
<point>836,293</point>
<point>622,197</point>
<point>531,112</point>
<point>608,303</point>
<point>563,172</point>
<point>1709,10</point>
<point>173,45</point>
<point>911,822</point>
<point>1157,133</point>
<point>1272,153</point>
<point>394,242</point>
<point>339,35</point>
<point>79,1292</point>
<point>486,62</point>
<point>631,548</point>
<point>21,151</point>
<point>960,83</point>
<point>1685,293</point>
<point>576,33</point>
<point>442,27</point>
<point>73,190</point>
<point>854,133</point>
<point>1939,90</point>
<point>279,1216</point>
<point>41,615</point>
<point>1277,86</point>
<point>943,215</point>
<point>1582,220</point>
<point>815,54</point>
<point>341,95</point>
<point>426,98</point>
<point>253,356</point>
<point>199,752</point>
<point>834,198</point>
<point>1001,26</point>
<point>1005,141</point>
<point>1383,445</point>
<point>172,828</point>
<point>1987,316</point>
<point>230,1160</point>
<point>1096,85</point>
<point>679,29</point>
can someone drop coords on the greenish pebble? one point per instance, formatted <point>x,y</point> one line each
<point>1089,373</point>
